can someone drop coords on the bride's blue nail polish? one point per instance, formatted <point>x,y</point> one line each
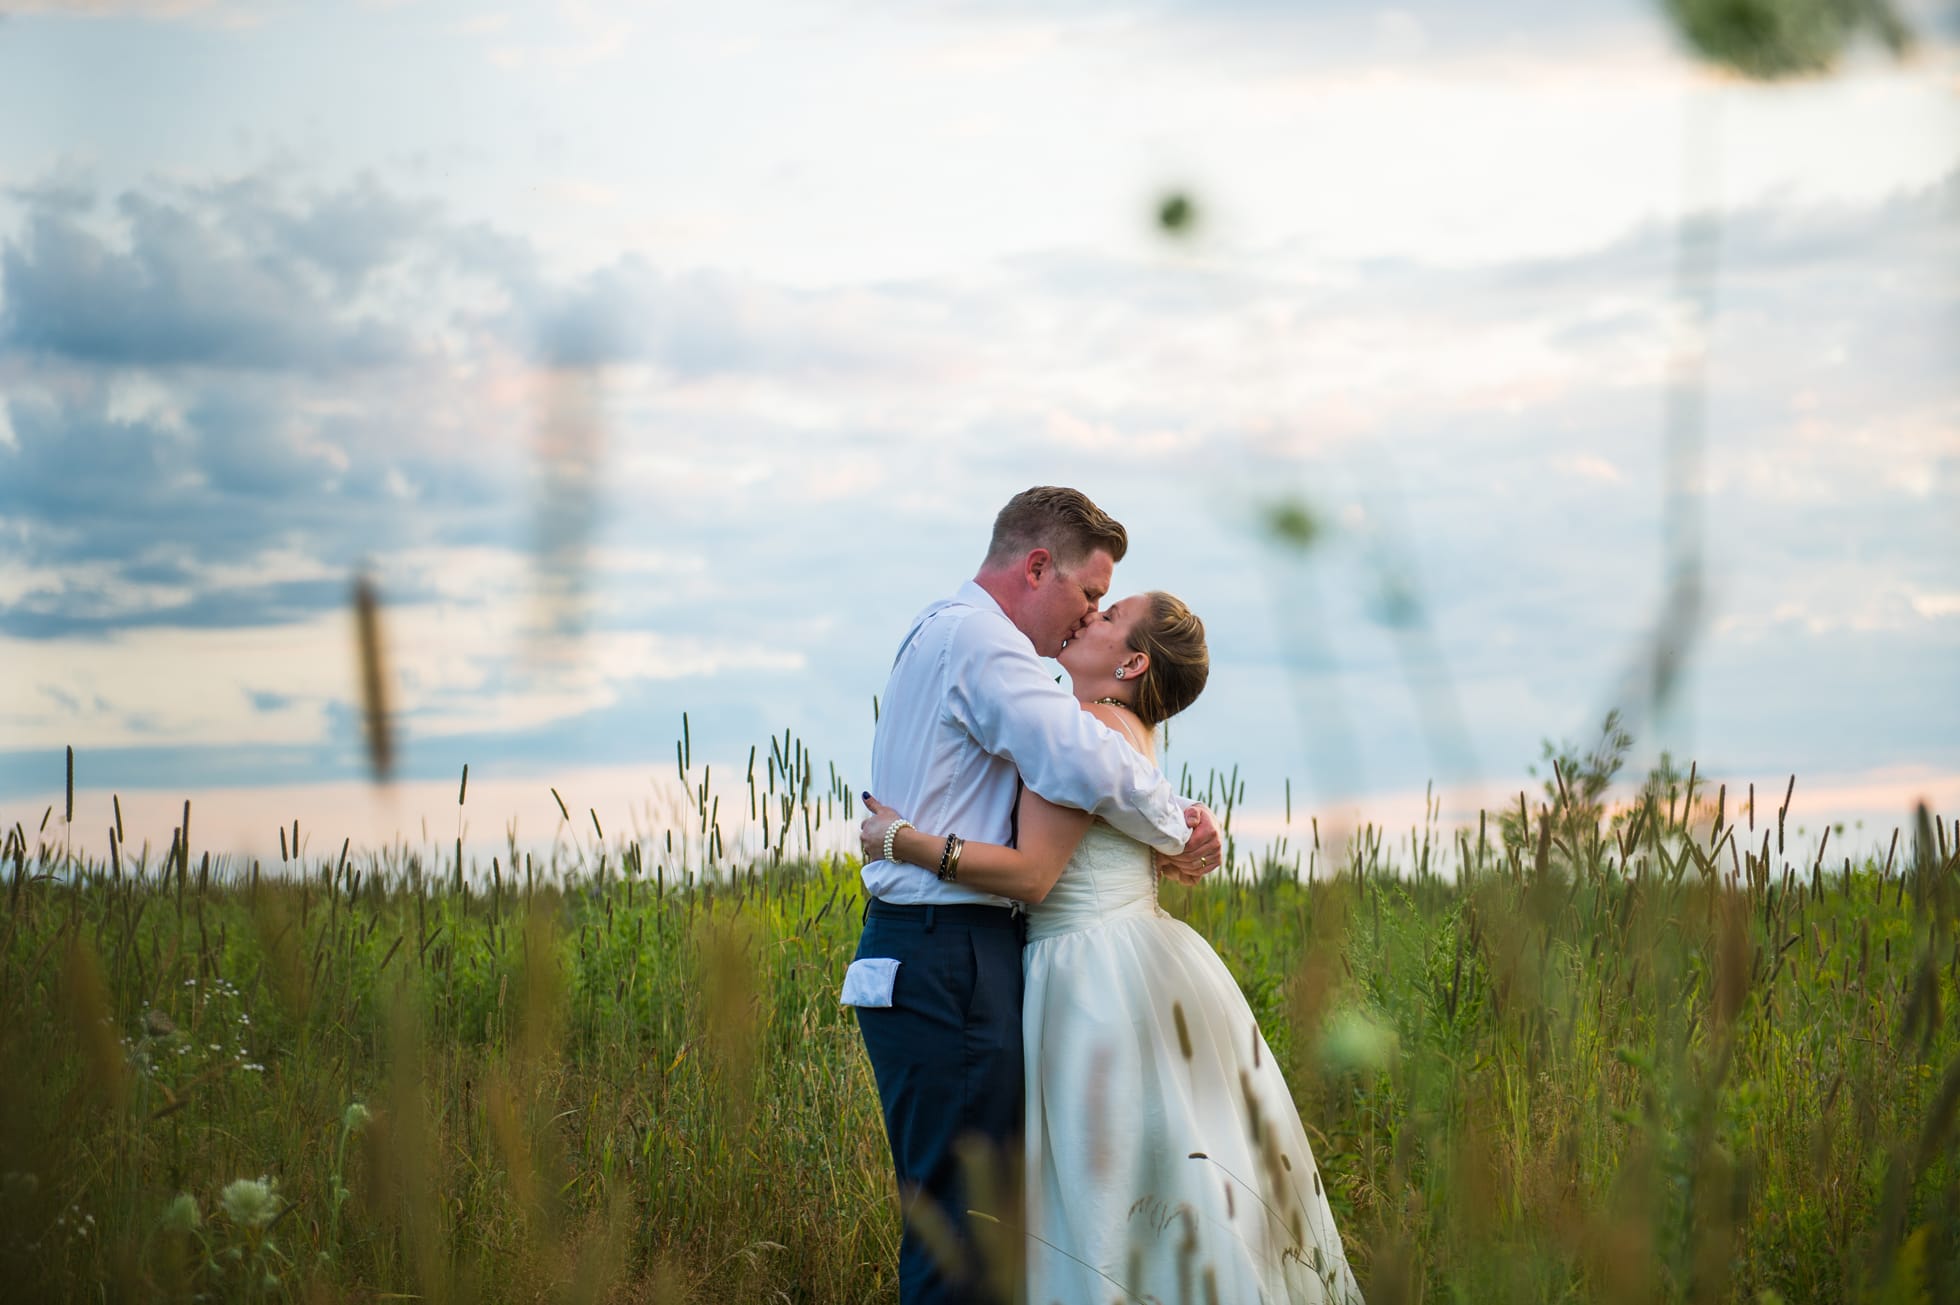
<point>866,795</point>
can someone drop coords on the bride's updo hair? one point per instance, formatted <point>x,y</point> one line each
<point>1174,638</point>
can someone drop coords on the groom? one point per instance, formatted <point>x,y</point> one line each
<point>968,716</point>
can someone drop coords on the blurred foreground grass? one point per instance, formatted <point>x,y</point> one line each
<point>1625,1056</point>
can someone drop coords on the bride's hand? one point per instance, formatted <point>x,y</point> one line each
<point>871,832</point>
<point>1201,853</point>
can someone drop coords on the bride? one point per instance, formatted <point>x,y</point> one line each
<point>1164,1157</point>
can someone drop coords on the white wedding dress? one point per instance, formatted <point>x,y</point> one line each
<point>1165,1158</point>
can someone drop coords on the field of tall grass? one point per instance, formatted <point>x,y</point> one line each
<point>1629,1054</point>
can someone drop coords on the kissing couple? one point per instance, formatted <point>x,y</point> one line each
<point>1023,997</point>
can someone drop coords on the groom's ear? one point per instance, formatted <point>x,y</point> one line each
<point>1039,562</point>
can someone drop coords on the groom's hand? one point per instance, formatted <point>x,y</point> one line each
<point>1200,855</point>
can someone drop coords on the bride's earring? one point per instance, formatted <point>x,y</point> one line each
<point>1120,672</point>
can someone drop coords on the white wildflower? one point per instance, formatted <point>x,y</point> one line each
<point>252,1203</point>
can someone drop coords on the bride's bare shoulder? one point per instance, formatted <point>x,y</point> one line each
<point>1124,722</point>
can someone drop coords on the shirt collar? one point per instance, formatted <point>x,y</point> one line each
<point>973,595</point>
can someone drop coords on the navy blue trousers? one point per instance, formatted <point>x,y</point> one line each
<point>947,1055</point>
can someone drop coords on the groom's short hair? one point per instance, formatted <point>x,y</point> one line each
<point>1063,521</point>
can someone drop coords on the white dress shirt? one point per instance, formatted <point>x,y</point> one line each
<point>968,711</point>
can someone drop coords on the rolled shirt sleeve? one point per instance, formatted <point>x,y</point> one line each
<point>1004,698</point>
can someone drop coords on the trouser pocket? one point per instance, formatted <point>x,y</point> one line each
<point>870,981</point>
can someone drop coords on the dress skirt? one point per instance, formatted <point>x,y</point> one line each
<point>1165,1158</point>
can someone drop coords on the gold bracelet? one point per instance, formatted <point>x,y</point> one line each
<point>949,860</point>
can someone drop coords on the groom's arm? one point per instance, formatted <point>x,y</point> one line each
<point>1007,702</point>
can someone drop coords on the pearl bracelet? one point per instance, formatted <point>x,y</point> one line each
<point>891,837</point>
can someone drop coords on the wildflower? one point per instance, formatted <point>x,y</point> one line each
<point>181,1215</point>
<point>356,1117</point>
<point>253,1203</point>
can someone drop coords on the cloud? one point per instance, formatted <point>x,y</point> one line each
<point>456,654</point>
<point>228,472</point>
<point>228,280</point>
<point>241,274</point>
<point>1859,292</point>
<point>195,396</point>
<point>113,8</point>
<point>113,608</point>
<point>67,187</point>
<point>757,446</point>
<point>1285,38</point>
<point>1937,606</point>
<point>697,325</point>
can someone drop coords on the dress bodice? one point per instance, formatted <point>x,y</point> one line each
<point>1110,877</point>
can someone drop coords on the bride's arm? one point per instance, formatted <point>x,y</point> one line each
<point>1046,834</point>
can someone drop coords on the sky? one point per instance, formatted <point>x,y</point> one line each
<point>662,358</point>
